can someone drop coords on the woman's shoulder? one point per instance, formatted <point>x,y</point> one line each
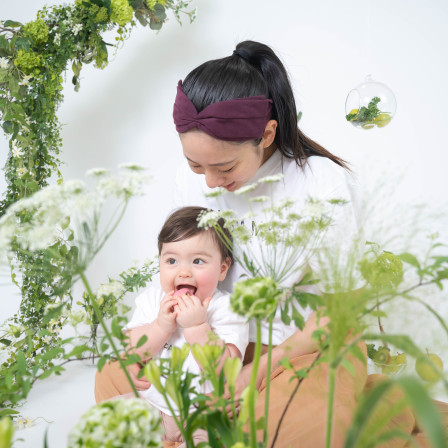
<point>319,176</point>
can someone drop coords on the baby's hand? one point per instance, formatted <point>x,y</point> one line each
<point>167,315</point>
<point>191,311</point>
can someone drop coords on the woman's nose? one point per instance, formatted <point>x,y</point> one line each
<point>214,180</point>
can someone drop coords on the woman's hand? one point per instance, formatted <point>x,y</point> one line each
<point>139,383</point>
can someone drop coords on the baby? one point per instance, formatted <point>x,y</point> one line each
<point>187,307</point>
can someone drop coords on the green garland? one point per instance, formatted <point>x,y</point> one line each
<point>33,59</point>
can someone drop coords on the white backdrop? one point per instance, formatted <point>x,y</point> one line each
<point>123,113</point>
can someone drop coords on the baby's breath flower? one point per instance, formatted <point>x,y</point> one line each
<point>271,179</point>
<point>218,191</point>
<point>98,172</point>
<point>4,63</point>
<point>21,171</point>
<point>245,189</point>
<point>77,28</point>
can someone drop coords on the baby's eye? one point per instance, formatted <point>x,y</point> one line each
<point>171,261</point>
<point>198,261</point>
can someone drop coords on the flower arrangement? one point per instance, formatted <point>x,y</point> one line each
<point>33,58</point>
<point>62,226</point>
<point>126,423</point>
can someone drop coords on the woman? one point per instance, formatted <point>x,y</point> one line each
<point>237,123</point>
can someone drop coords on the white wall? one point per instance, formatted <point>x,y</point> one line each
<point>123,113</point>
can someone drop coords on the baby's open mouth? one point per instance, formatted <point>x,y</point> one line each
<point>185,289</point>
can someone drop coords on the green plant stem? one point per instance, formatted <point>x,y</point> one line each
<point>268,382</point>
<point>253,386</point>
<point>97,311</point>
<point>331,390</point>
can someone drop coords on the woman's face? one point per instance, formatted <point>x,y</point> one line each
<point>226,164</point>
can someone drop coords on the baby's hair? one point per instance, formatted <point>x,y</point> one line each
<point>183,224</point>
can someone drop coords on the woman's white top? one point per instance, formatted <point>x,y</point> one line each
<point>320,179</point>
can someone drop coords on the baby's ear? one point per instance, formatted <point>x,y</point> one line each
<point>225,265</point>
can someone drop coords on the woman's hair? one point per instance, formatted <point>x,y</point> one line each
<point>183,224</point>
<point>254,69</point>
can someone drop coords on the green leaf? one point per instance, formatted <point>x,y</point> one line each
<point>4,412</point>
<point>141,341</point>
<point>348,365</point>
<point>8,127</point>
<point>4,43</point>
<point>11,24</point>
<point>427,415</point>
<point>23,43</point>
<point>401,342</point>
<point>363,413</point>
<point>156,26</point>
<point>410,259</point>
<point>21,363</point>
<point>101,363</point>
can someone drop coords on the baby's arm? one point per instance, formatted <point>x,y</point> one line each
<point>158,332</point>
<point>191,315</point>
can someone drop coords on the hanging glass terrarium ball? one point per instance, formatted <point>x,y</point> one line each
<point>369,105</point>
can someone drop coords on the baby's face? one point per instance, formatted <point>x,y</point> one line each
<point>194,263</point>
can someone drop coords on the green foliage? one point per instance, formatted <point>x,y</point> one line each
<point>386,271</point>
<point>255,298</point>
<point>366,113</point>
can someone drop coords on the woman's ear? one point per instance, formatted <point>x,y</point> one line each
<point>225,265</point>
<point>269,133</point>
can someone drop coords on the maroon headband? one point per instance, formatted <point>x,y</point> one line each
<point>235,120</point>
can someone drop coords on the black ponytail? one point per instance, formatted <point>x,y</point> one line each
<point>254,69</point>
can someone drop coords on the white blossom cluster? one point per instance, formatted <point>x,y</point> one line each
<point>124,423</point>
<point>49,211</point>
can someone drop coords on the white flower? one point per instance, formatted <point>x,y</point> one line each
<point>57,39</point>
<point>114,287</point>
<point>97,172</point>
<point>26,80</point>
<point>271,179</point>
<point>46,339</point>
<point>218,191</point>
<point>21,171</point>
<point>77,28</point>
<point>313,209</point>
<point>259,199</point>
<point>246,189</point>
<point>119,422</point>
<point>209,219</point>
<point>24,422</point>
<point>4,63</point>
<point>16,151</point>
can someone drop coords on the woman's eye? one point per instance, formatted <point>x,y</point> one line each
<point>227,171</point>
<point>195,167</point>
<point>171,261</point>
<point>198,261</point>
